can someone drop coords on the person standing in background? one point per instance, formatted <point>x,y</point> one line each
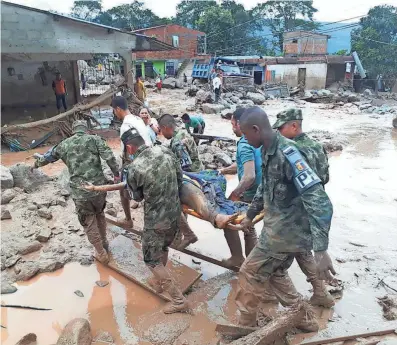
<point>140,89</point>
<point>217,84</point>
<point>59,87</point>
<point>150,122</point>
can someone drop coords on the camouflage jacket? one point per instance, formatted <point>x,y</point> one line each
<point>82,155</point>
<point>156,176</point>
<point>315,154</point>
<point>295,220</point>
<point>184,147</point>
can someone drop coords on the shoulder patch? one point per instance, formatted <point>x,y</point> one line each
<point>304,176</point>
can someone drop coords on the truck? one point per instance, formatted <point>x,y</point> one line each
<point>230,70</point>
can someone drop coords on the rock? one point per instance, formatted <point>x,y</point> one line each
<point>112,212</point>
<point>364,106</point>
<point>257,98</point>
<point>226,114</point>
<point>367,92</point>
<point>28,339</point>
<point>204,96</point>
<point>212,108</point>
<point>79,293</point>
<point>104,337</point>
<point>44,235</point>
<point>65,193</point>
<point>26,179</point>
<point>29,247</point>
<point>44,213</point>
<point>61,202</point>
<point>76,332</point>
<point>7,288</point>
<point>245,103</point>
<point>191,108</point>
<point>7,181</point>
<point>26,270</point>
<point>12,261</point>
<point>234,99</point>
<point>223,158</point>
<point>324,92</point>
<point>5,214</point>
<point>207,158</point>
<point>169,83</point>
<point>50,265</point>
<point>178,84</point>
<point>353,98</point>
<point>32,207</point>
<point>86,260</point>
<point>308,94</point>
<point>148,84</point>
<point>101,283</point>
<point>395,122</point>
<point>7,196</point>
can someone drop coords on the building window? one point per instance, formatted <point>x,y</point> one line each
<point>175,41</point>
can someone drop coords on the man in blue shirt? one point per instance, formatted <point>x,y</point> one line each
<point>249,172</point>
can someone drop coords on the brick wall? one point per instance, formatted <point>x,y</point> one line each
<point>188,42</point>
<point>304,43</point>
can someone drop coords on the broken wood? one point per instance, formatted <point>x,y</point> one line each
<point>276,329</point>
<point>113,221</point>
<point>22,307</point>
<point>234,331</point>
<point>349,337</point>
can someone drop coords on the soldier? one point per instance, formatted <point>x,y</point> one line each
<point>297,219</point>
<point>156,176</point>
<point>289,124</point>
<point>82,155</point>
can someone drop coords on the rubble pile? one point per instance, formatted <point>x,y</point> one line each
<point>330,142</point>
<point>217,154</point>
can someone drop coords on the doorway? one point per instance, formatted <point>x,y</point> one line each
<point>258,77</point>
<point>138,70</point>
<point>302,78</point>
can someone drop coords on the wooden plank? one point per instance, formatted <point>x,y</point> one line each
<point>234,331</point>
<point>113,221</point>
<point>126,258</point>
<point>349,337</point>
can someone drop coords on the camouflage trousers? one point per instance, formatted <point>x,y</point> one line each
<point>155,243</point>
<point>92,218</point>
<point>263,275</point>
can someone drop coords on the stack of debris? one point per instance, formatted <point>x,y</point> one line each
<point>217,154</point>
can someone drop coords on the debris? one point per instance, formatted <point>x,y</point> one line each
<point>32,207</point>
<point>169,83</point>
<point>212,108</point>
<point>29,247</point>
<point>7,288</point>
<point>23,307</point>
<point>112,211</point>
<point>7,196</point>
<point>203,96</point>
<point>389,307</point>
<point>76,332</point>
<point>43,213</point>
<point>44,235</point>
<point>357,244</point>
<point>367,92</point>
<point>12,261</point>
<point>27,179</point>
<point>382,282</point>
<point>257,98</point>
<point>61,202</point>
<point>5,214</point>
<point>395,122</point>
<point>79,293</point>
<point>28,339</point>
<point>104,337</point>
<point>65,193</point>
<point>223,158</point>
<point>196,262</point>
<point>26,270</point>
<point>101,283</point>
<point>7,181</point>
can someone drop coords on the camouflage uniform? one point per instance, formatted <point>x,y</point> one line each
<point>184,147</point>
<point>156,176</point>
<point>297,219</point>
<point>82,155</point>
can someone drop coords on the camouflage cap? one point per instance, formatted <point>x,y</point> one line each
<point>79,126</point>
<point>286,116</point>
<point>132,133</point>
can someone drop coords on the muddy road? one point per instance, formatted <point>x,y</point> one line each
<point>363,189</point>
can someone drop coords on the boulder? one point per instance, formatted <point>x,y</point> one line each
<point>234,99</point>
<point>212,108</point>
<point>223,158</point>
<point>178,84</point>
<point>7,181</point>
<point>255,97</point>
<point>207,158</point>
<point>12,261</point>
<point>227,114</point>
<point>364,106</point>
<point>169,83</point>
<point>353,98</point>
<point>27,179</point>
<point>28,247</point>
<point>7,288</point>
<point>26,270</point>
<point>7,196</point>
<point>61,202</point>
<point>44,213</point>
<point>44,235</point>
<point>5,214</point>
<point>367,92</point>
<point>324,92</point>
<point>204,96</point>
<point>50,265</point>
<point>28,339</point>
<point>245,103</point>
<point>76,332</point>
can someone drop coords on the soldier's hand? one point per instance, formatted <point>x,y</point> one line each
<point>325,269</point>
<point>246,225</point>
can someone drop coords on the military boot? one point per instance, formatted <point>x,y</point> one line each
<point>308,323</point>
<point>250,240</point>
<point>155,285</point>
<point>321,297</point>
<point>102,256</point>
<point>234,243</point>
<point>189,236</point>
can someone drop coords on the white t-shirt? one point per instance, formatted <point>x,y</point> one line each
<point>216,83</point>
<point>137,123</point>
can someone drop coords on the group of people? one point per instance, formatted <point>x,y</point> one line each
<point>284,177</point>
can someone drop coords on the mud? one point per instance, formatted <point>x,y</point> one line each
<point>364,193</point>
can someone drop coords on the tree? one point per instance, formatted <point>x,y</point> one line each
<point>342,52</point>
<point>375,41</point>
<point>86,10</point>
<point>188,12</point>
<point>283,16</point>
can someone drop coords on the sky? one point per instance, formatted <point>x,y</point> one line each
<point>328,10</point>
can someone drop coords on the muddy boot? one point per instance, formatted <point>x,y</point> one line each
<point>187,240</point>
<point>222,220</point>
<point>321,297</point>
<point>189,236</point>
<point>101,221</point>
<point>234,243</point>
<point>250,241</point>
<point>308,323</point>
<point>102,256</point>
<point>155,285</point>
<point>247,320</point>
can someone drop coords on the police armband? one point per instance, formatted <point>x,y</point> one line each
<point>304,176</point>
<point>185,160</point>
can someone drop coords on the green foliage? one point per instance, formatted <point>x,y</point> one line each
<point>342,52</point>
<point>283,16</point>
<point>380,25</point>
<point>86,9</point>
<point>188,13</point>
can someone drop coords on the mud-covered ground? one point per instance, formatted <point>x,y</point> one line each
<point>363,239</point>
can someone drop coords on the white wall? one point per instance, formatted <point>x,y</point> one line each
<point>316,74</point>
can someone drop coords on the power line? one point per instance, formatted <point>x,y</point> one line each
<point>370,39</point>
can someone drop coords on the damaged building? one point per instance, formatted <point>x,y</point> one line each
<point>35,44</point>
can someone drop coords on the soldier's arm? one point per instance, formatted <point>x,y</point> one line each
<point>107,155</point>
<point>257,204</point>
<point>51,156</point>
<point>134,184</point>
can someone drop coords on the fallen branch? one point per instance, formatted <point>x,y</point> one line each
<point>22,307</point>
<point>382,282</point>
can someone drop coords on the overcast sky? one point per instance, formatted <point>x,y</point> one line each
<point>328,10</point>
